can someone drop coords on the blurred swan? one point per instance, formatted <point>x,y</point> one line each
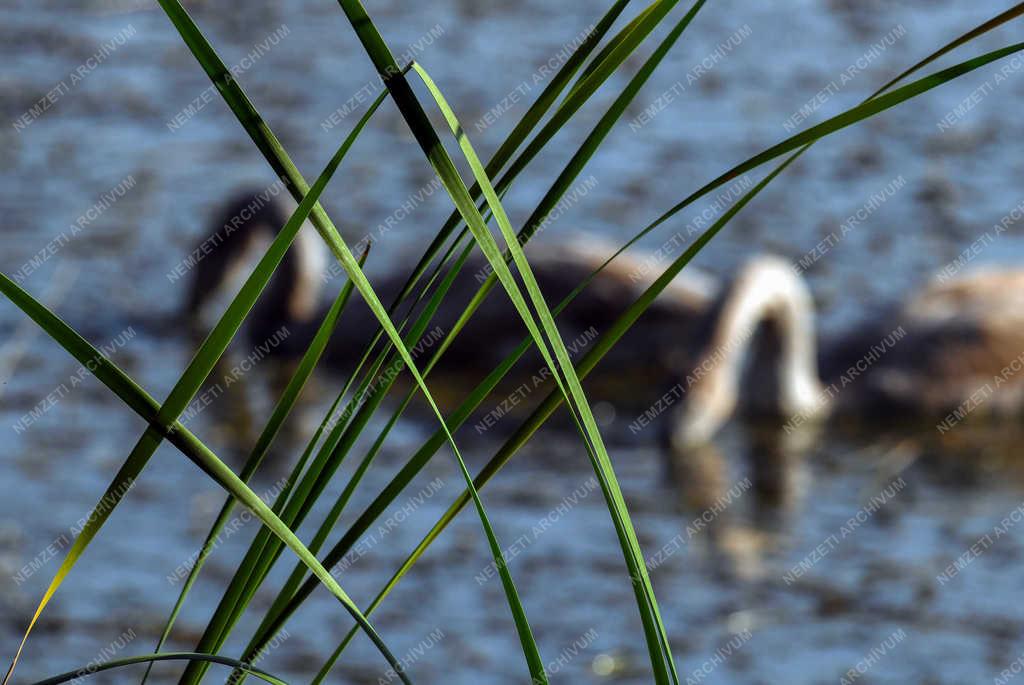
<point>658,346</point>
<point>955,348</point>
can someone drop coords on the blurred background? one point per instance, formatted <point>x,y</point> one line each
<point>146,152</point>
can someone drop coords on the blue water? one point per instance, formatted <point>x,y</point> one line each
<point>723,584</point>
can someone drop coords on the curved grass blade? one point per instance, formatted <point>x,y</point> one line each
<point>653,624</point>
<point>248,669</point>
<point>148,408</point>
<point>243,109</point>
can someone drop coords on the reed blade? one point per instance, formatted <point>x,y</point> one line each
<point>150,659</point>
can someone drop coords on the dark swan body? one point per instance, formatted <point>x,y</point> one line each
<point>298,294</point>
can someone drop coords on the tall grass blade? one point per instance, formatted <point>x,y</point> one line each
<point>564,376</point>
<point>661,659</point>
<point>78,674</point>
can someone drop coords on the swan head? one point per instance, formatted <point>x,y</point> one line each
<point>238,237</point>
<point>707,406</point>
<point>766,294</point>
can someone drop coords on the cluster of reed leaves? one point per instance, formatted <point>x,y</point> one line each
<point>403,323</point>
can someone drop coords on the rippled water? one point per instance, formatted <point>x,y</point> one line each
<point>724,588</point>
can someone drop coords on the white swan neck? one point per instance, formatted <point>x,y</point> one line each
<point>768,290</point>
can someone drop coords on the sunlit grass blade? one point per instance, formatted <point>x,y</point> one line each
<point>154,413</point>
<point>91,669</point>
<point>661,660</point>
<point>659,656</point>
<point>563,375</point>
